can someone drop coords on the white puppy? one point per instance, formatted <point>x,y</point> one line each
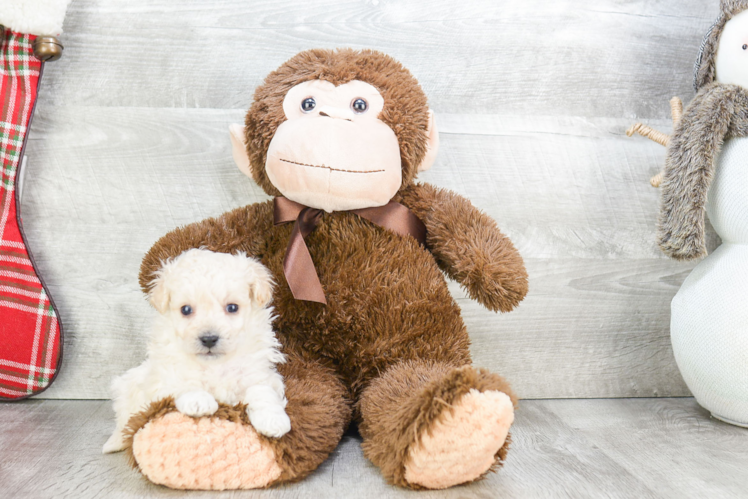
<point>212,342</point>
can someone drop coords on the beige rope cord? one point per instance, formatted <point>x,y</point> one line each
<point>676,110</point>
<point>649,133</point>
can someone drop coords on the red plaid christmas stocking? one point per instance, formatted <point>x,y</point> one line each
<point>30,330</point>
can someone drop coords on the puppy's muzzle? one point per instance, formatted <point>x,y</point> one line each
<point>209,340</point>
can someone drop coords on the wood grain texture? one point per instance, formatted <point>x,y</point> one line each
<point>532,98</point>
<point>567,57</point>
<point>641,448</point>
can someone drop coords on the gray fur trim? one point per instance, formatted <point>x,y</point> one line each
<point>718,112</point>
<point>704,70</point>
<point>699,77</point>
<point>732,7</point>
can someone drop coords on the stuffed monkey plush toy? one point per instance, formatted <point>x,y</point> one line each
<point>705,174</point>
<point>357,249</point>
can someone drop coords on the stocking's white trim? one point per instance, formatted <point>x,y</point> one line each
<point>36,17</point>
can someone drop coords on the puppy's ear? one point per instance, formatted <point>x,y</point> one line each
<point>260,283</point>
<point>159,294</point>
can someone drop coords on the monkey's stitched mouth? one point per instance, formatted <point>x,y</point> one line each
<point>332,169</point>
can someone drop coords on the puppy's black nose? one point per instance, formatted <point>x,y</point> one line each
<point>209,340</point>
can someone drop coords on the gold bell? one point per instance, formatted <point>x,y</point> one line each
<point>47,48</point>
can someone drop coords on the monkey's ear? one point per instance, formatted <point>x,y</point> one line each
<point>432,144</point>
<point>239,149</point>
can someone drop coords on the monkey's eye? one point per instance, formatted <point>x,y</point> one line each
<point>308,104</point>
<point>359,105</point>
<point>745,46</point>
<point>232,308</point>
<point>186,310</point>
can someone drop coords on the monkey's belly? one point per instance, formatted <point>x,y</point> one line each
<point>387,301</point>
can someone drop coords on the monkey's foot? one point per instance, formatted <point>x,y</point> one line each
<point>463,442</point>
<point>204,454</point>
<point>224,451</point>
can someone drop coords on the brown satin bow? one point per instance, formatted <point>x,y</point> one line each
<point>298,266</point>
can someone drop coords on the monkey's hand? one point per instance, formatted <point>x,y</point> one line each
<point>469,247</point>
<point>239,230</point>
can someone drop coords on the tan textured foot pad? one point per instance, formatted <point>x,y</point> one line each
<point>206,454</point>
<point>462,444</point>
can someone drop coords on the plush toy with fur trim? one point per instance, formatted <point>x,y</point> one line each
<point>368,326</point>
<point>706,173</point>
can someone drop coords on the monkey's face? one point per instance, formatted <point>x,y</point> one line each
<point>333,152</point>
<point>337,130</point>
<point>731,62</point>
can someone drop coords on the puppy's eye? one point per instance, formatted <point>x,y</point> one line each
<point>232,308</point>
<point>308,104</point>
<point>359,105</point>
<point>186,310</point>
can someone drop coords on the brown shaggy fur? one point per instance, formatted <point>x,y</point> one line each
<point>705,72</point>
<point>402,405</point>
<point>494,275</point>
<point>388,301</point>
<point>718,112</point>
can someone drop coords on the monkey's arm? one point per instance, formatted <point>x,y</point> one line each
<point>469,247</point>
<point>243,229</point>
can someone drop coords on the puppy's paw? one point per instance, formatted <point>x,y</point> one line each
<point>197,404</point>
<point>271,422</point>
<point>114,444</point>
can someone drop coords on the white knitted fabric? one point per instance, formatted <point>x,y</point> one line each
<point>709,323</point>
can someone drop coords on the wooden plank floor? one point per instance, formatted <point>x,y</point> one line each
<point>666,447</point>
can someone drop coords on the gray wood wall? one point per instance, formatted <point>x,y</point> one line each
<point>532,100</point>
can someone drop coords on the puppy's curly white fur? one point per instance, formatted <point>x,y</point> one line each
<point>212,342</point>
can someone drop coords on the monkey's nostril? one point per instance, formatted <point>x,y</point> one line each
<point>322,113</point>
<point>209,340</point>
